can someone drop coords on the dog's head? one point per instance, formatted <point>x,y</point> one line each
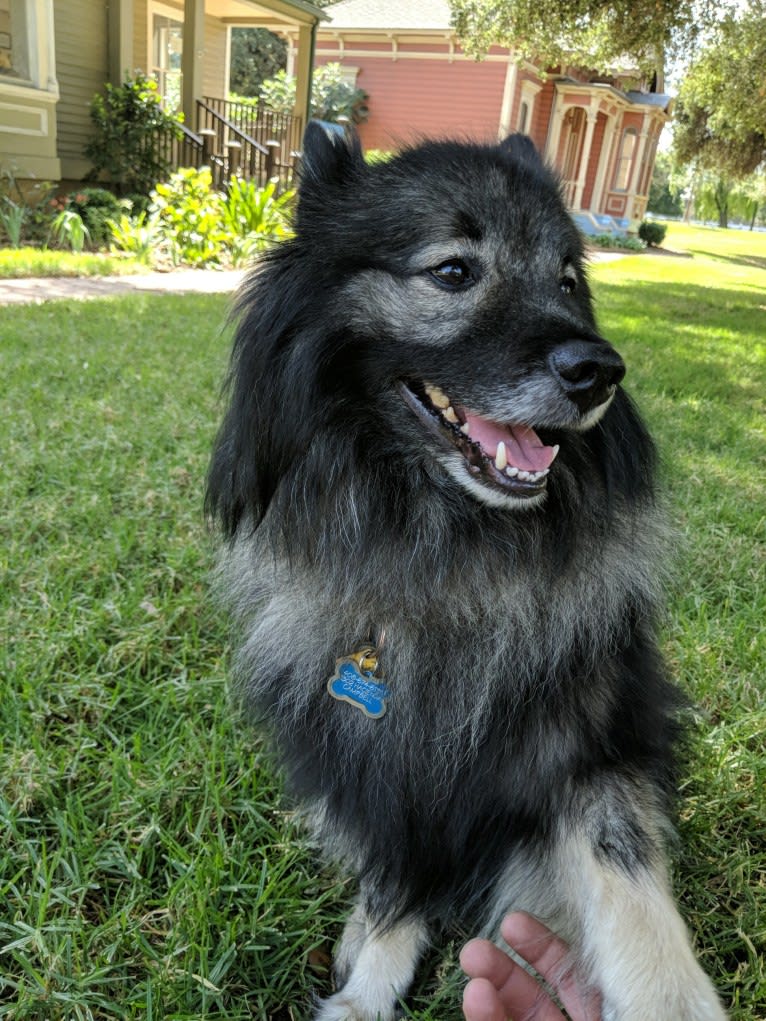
<point>437,305</point>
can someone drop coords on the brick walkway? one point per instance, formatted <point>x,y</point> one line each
<point>35,290</point>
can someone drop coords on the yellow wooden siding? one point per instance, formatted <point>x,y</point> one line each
<point>214,72</point>
<point>140,35</point>
<point>81,69</point>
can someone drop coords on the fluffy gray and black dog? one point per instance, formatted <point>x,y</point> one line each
<point>441,538</point>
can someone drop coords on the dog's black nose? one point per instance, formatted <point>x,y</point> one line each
<point>586,371</point>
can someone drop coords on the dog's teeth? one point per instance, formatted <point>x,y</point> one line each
<point>512,471</point>
<point>449,414</point>
<point>556,449</point>
<point>437,397</point>
<point>500,459</point>
<point>524,476</point>
<point>464,429</point>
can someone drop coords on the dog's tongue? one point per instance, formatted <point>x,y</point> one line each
<point>523,447</point>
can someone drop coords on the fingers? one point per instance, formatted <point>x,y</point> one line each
<point>481,1002</point>
<point>500,989</point>
<point>549,956</point>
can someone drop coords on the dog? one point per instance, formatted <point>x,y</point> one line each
<point>441,537</point>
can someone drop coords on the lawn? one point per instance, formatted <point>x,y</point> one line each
<point>47,262</point>
<point>148,867</point>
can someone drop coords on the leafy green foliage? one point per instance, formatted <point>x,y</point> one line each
<point>720,121</point>
<point>617,241</point>
<point>188,213</point>
<point>95,206</point>
<point>69,230</point>
<point>12,218</point>
<point>127,120</point>
<point>332,96</point>
<point>190,223</point>
<point>590,33</point>
<point>256,55</point>
<point>664,199</point>
<point>652,233</point>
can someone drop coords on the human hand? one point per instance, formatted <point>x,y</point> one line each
<point>501,990</point>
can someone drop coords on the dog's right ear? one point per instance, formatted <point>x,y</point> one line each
<point>329,157</point>
<point>522,148</point>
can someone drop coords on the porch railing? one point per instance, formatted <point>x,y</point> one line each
<point>235,138</point>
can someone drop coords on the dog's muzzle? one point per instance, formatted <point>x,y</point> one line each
<point>586,371</point>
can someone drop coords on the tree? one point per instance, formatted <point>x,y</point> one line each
<point>256,55</point>
<point>332,95</point>
<point>720,122</point>
<point>592,33</point>
<point>663,199</point>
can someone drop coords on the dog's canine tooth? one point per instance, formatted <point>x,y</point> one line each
<point>501,460</point>
<point>464,429</point>
<point>437,397</point>
<point>449,414</point>
<point>556,449</point>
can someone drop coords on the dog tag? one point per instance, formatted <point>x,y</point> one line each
<point>354,682</point>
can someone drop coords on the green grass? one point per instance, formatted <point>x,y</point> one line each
<point>46,262</point>
<point>148,866</point>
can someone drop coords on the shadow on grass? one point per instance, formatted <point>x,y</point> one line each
<point>754,261</point>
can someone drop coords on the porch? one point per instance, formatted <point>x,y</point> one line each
<point>236,138</point>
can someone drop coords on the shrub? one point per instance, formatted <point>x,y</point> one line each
<point>622,241</point>
<point>190,223</point>
<point>652,233</point>
<point>128,120</point>
<point>332,96</point>
<point>95,206</point>
<point>189,217</point>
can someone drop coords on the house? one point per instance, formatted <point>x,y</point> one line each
<point>55,56</point>
<point>599,131</point>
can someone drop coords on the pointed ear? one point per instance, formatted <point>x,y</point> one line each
<point>521,147</point>
<point>329,156</point>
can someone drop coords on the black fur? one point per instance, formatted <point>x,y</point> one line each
<point>518,644</point>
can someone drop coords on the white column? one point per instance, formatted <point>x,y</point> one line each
<point>582,176</point>
<point>192,59</point>
<point>509,94</point>
<point>635,172</point>
<point>554,130</point>
<point>599,186</point>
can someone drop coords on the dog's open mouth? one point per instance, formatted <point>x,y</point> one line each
<point>508,456</point>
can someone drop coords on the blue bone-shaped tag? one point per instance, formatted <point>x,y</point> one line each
<point>358,687</point>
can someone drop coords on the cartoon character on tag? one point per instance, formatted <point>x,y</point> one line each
<point>350,683</point>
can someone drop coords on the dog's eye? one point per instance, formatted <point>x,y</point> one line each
<point>568,284</point>
<point>453,274</point>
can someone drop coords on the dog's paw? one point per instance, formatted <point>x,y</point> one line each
<point>342,1008</point>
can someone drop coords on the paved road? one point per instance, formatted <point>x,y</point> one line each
<point>35,290</point>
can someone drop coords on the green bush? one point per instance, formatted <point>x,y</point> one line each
<point>189,214</point>
<point>332,95</point>
<point>190,223</point>
<point>128,120</point>
<point>621,241</point>
<point>95,206</point>
<point>652,233</point>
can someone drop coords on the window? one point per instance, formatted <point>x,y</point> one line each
<point>167,47</point>
<point>14,43</point>
<point>625,159</point>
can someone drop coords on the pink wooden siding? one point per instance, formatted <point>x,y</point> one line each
<point>412,98</point>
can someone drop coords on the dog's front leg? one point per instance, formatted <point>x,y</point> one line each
<point>634,944</point>
<point>376,964</point>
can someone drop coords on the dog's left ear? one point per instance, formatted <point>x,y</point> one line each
<point>329,156</point>
<point>522,148</point>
